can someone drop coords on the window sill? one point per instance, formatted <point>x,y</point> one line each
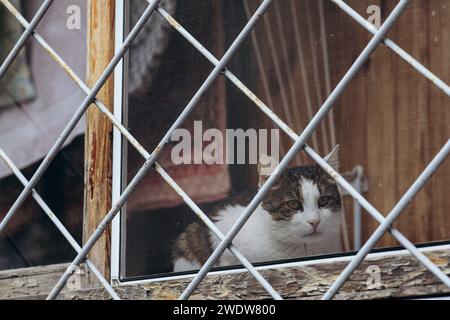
<point>401,276</point>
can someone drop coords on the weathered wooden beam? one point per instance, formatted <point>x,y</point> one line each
<point>400,276</point>
<point>98,139</point>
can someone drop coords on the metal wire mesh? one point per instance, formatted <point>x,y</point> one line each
<point>151,158</point>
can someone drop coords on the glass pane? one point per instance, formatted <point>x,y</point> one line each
<point>389,124</point>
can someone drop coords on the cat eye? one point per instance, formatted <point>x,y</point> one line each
<point>294,205</point>
<point>324,201</point>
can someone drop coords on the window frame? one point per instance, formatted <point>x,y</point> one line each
<point>117,161</point>
<point>119,178</point>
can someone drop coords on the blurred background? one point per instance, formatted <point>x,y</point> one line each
<point>37,99</point>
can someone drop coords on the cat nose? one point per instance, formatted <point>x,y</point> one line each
<point>314,223</point>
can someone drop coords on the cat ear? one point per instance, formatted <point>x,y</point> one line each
<point>333,158</point>
<point>266,166</point>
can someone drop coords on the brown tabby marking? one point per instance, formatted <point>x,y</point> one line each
<point>288,187</point>
<point>194,244</point>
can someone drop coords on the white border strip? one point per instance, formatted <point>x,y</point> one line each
<point>117,144</point>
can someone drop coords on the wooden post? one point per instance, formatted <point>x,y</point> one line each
<point>98,139</point>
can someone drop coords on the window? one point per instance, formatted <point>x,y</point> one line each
<point>389,122</point>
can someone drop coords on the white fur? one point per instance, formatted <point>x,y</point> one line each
<point>263,239</point>
<point>182,264</point>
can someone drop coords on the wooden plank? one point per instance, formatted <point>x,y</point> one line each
<point>98,149</point>
<point>400,276</point>
<point>392,120</point>
<point>30,281</point>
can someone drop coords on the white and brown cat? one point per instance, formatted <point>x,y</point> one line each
<point>300,216</point>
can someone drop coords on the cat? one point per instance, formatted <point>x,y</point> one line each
<point>300,216</point>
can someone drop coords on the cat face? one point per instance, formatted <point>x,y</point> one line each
<point>305,204</point>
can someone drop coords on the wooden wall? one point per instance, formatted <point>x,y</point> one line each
<point>390,120</point>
